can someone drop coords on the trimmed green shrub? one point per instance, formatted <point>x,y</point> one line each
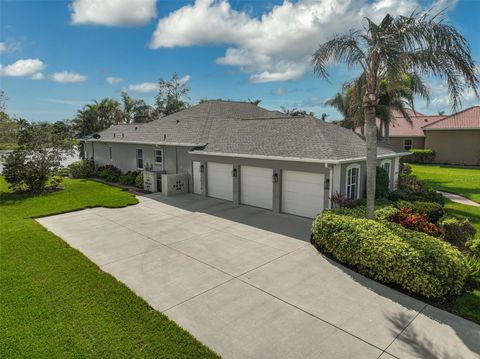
<point>410,183</point>
<point>420,156</point>
<point>434,211</point>
<point>128,179</point>
<point>109,173</point>
<point>385,213</point>
<point>357,212</point>
<point>457,231</point>
<point>384,251</point>
<point>81,169</point>
<point>427,195</point>
<point>382,187</point>
<point>139,181</point>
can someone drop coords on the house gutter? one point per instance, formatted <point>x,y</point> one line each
<point>294,159</point>
<point>185,144</point>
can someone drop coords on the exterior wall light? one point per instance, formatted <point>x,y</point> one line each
<point>202,168</point>
<point>327,183</point>
<point>275,178</point>
<point>234,172</point>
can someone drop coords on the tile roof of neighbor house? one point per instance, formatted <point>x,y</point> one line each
<point>239,128</point>
<point>401,127</point>
<point>466,119</point>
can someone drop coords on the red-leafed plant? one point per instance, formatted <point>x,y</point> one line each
<point>416,222</point>
<point>343,201</point>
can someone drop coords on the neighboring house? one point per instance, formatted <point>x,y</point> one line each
<point>456,138</point>
<point>409,134</point>
<point>248,155</point>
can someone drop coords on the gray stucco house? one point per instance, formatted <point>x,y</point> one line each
<point>245,154</point>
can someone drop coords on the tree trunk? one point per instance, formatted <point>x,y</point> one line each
<point>371,139</point>
<point>386,138</point>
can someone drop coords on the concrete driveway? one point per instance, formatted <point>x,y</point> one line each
<point>248,284</point>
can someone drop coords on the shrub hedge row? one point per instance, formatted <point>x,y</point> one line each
<point>420,156</point>
<point>387,252</point>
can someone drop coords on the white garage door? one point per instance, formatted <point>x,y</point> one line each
<point>219,180</point>
<point>256,187</point>
<point>302,193</point>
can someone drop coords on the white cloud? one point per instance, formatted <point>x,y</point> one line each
<point>68,77</point>
<point>143,87</point>
<point>113,80</point>
<point>38,76</point>
<point>24,67</point>
<point>277,46</point>
<point>440,99</point>
<point>113,12</point>
<point>11,45</point>
<point>184,79</point>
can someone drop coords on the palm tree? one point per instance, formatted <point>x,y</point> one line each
<point>420,44</point>
<point>295,112</point>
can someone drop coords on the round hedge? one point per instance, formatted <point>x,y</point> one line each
<point>384,251</point>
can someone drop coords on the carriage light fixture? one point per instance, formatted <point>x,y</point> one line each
<point>275,178</point>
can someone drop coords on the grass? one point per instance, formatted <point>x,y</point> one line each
<point>465,182</point>
<point>459,180</point>
<point>54,302</point>
<point>8,146</point>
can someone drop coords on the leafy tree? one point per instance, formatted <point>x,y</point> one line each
<point>135,110</point>
<point>33,165</point>
<point>419,44</point>
<point>172,96</point>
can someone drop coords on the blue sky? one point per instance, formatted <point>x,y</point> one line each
<point>56,56</point>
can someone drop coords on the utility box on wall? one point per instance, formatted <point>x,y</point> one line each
<point>152,181</point>
<point>174,184</point>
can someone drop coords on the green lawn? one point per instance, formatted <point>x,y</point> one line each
<point>55,303</point>
<point>465,182</point>
<point>459,180</point>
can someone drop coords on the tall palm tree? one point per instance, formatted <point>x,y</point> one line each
<point>419,43</point>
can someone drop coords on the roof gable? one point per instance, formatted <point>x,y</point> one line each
<point>466,119</point>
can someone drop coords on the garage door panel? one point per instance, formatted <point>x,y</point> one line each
<point>256,187</point>
<point>302,193</point>
<point>220,182</point>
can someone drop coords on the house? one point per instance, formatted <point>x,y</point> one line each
<point>456,138</point>
<point>409,134</point>
<point>245,154</point>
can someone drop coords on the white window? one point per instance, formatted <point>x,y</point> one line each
<point>387,165</point>
<point>353,181</point>
<point>158,155</point>
<point>407,144</point>
<point>110,153</point>
<point>139,158</point>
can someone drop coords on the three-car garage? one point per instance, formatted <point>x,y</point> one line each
<point>298,192</point>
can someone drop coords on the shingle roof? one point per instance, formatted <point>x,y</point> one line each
<point>243,128</point>
<point>466,119</point>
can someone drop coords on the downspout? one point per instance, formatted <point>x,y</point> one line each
<point>176,159</point>
<point>330,185</point>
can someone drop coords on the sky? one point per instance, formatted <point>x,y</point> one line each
<point>58,55</point>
